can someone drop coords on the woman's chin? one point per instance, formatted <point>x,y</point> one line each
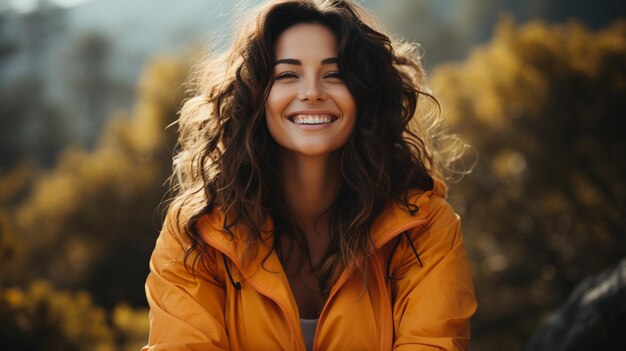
<point>311,150</point>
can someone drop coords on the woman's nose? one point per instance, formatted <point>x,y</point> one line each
<point>311,90</point>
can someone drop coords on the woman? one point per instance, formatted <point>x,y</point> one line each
<point>308,215</point>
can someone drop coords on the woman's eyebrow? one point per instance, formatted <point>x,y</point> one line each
<point>297,62</point>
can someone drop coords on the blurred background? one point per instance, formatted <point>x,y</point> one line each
<point>87,87</point>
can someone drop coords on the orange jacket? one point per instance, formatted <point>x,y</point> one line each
<point>427,306</point>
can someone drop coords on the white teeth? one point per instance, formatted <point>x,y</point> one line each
<point>312,119</point>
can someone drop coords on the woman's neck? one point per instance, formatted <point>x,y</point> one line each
<point>310,184</point>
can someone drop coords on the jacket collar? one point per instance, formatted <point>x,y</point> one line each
<point>394,220</point>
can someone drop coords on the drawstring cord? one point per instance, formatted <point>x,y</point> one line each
<point>393,250</point>
<point>227,227</point>
<point>237,285</point>
<point>408,237</point>
<point>412,209</point>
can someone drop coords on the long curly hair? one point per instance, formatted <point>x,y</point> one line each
<point>226,158</point>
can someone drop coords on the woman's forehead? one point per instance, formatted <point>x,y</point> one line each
<point>306,40</point>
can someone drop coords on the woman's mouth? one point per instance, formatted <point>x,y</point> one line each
<point>312,119</point>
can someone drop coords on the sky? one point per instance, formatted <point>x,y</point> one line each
<point>27,5</point>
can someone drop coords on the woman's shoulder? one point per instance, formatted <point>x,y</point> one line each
<point>415,209</point>
<point>433,229</point>
<point>432,204</point>
<point>441,224</point>
<point>187,239</point>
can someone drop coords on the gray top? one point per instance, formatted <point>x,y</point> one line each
<point>308,331</point>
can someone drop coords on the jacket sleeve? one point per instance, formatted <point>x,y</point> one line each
<point>186,310</point>
<point>433,303</point>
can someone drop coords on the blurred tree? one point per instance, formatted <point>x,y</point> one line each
<point>43,135</point>
<point>8,44</point>
<point>30,123</point>
<point>9,249</point>
<point>421,21</point>
<point>91,83</point>
<point>447,29</point>
<point>41,25</point>
<point>88,222</point>
<point>40,318</point>
<point>13,120</point>
<point>132,327</point>
<point>546,205</point>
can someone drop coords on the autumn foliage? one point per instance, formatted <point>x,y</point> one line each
<point>87,227</point>
<point>544,207</point>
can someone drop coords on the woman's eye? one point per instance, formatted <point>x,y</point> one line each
<point>334,74</point>
<point>285,75</point>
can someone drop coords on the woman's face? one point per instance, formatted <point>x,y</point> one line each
<point>309,110</point>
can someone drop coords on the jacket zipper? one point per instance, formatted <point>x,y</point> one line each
<point>267,294</point>
<point>335,288</point>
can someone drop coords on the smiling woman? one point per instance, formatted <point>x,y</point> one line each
<point>311,115</point>
<point>308,211</point>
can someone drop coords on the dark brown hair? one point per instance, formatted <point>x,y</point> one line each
<point>227,158</point>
